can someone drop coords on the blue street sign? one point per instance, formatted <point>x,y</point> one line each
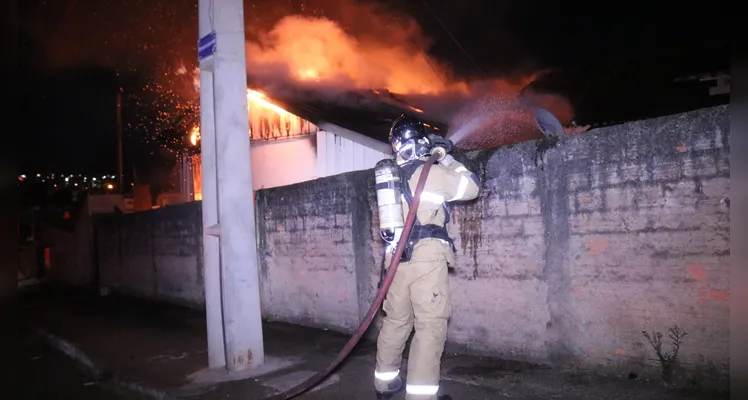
<point>206,46</point>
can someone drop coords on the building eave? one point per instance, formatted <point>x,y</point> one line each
<point>355,137</point>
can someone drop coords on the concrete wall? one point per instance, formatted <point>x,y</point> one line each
<point>623,229</point>
<point>316,248</point>
<point>565,258</point>
<point>154,254</point>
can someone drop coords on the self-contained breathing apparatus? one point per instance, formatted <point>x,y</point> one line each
<point>409,139</point>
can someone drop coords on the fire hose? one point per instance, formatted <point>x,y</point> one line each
<point>410,219</point>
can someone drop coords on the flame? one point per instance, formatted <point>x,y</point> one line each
<point>195,135</point>
<point>308,74</point>
<point>261,100</point>
<point>255,98</point>
<point>318,49</point>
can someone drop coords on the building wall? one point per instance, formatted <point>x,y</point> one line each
<point>270,122</point>
<point>283,162</point>
<point>338,154</point>
<point>287,161</point>
<point>565,258</point>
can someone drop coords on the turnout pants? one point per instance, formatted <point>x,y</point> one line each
<point>418,298</point>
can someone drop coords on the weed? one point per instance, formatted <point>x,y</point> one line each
<point>668,359</point>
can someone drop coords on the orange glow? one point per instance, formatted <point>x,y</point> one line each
<point>308,74</point>
<point>195,135</point>
<point>197,177</point>
<point>318,49</point>
<point>260,99</point>
<point>110,186</point>
<point>258,107</point>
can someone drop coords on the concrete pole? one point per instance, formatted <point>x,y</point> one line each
<point>211,249</point>
<point>228,187</point>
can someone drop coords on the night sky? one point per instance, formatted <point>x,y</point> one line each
<point>613,61</point>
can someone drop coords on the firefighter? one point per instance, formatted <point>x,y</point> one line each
<point>419,296</point>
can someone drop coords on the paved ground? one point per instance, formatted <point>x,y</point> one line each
<point>44,373</point>
<point>159,352</point>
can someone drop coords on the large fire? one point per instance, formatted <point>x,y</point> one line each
<point>317,49</point>
<point>257,100</point>
<point>375,52</point>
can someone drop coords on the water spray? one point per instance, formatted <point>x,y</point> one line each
<point>466,129</point>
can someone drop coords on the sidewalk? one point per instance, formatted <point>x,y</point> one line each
<point>160,351</point>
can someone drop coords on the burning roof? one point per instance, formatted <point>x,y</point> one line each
<point>368,112</point>
<point>486,122</point>
<point>313,68</point>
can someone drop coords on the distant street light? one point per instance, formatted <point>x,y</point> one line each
<point>110,186</point>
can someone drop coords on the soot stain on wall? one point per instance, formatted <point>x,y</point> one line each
<point>553,193</point>
<point>470,213</point>
<point>471,217</point>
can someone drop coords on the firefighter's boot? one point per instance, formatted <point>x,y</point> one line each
<point>385,390</point>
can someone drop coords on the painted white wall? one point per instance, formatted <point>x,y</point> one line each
<point>337,154</point>
<point>287,161</point>
<point>283,162</point>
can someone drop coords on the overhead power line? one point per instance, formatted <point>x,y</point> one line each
<point>453,38</point>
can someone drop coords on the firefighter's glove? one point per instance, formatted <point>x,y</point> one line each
<point>447,160</point>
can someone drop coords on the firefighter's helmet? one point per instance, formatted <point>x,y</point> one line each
<point>408,136</point>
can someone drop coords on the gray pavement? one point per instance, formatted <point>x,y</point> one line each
<point>147,350</point>
<point>45,373</point>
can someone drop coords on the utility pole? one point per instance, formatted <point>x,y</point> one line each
<point>231,274</point>
<point>119,142</point>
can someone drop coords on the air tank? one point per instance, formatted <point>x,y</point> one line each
<point>389,198</point>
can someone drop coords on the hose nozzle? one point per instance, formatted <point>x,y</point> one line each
<point>441,151</point>
<point>440,145</point>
